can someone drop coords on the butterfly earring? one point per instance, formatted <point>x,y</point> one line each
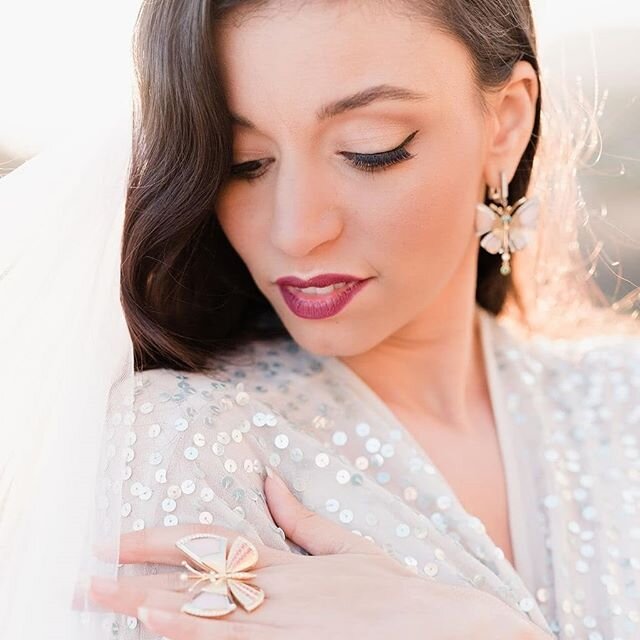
<point>508,228</point>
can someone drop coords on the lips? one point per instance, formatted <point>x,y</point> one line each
<point>323,280</point>
<point>319,297</point>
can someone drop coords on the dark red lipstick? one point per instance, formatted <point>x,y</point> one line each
<point>327,294</point>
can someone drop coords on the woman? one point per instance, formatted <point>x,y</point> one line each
<point>306,290</point>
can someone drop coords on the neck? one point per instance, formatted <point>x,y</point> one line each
<point>434,367</point>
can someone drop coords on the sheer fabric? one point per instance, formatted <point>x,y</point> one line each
<point>568,419</point>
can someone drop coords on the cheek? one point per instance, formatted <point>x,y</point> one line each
<point>423,221</point>
<point>236,213</point>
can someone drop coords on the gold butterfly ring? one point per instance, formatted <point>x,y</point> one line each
<point>220,575</point>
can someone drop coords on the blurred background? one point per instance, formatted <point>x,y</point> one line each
<point>56,77</point>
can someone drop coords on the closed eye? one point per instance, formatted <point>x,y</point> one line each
<point>381,160</point>
<point>368,162</point>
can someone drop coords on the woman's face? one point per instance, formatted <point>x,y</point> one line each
<point>314,204</point>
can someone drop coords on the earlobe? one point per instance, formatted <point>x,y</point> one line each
<point>514,112</point>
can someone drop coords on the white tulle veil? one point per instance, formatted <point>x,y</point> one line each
<point>67,380</point>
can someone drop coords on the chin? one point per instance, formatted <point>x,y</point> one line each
<point>324,338</point>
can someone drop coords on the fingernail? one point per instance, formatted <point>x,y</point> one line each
<point>274,476</point>
<point>154,617</point>
<point>103,586</point>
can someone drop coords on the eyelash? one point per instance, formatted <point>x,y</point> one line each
<point>368,162</point>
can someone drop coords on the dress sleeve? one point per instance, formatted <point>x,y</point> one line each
<point>192,458</point>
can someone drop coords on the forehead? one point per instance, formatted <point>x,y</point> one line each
<point>293,60</point>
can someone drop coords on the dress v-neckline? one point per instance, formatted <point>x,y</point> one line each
<point>517,528</point>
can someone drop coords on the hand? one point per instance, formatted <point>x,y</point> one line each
<point>347,586</point>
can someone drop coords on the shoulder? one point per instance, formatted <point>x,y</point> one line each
<point>264,369</point>
<point>609,360</point>
<point>196,451</point>
<point>595,379</point>
<point>590,355</point>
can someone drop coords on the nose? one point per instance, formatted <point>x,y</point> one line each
<point>305,214</point>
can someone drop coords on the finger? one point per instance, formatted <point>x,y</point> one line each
<point>116,595</point>
<point>127,597</point>
<point>180,626</point>
<point>157,545</point>
<point>308,529</point>
<point>169,581</point>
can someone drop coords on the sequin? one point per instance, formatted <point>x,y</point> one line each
<point>387,450</point>
<point>207,494</point>
<point>274,459</point>
<point>242,398</point>
<point>199,440</point>
<point>188,487</point>
<point>169,505</point>
<point>217,448</point>
<point>281,441</point>
<point>154,431</point>
<point>339,438</point>
<point>363,429</point>
<point>136,488</point>
<point>332,505</point>
<point>271,420</point>
<point>322,460</point>
<point>190,453</point>
<point>526,604</point>
<point>181,424</point>
<point>259,419</point>
<point>372,445</point>
<point>346,516</point>
<point>206,518</point>
<point>571,416</point>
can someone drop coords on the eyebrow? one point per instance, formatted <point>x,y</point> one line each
<point>349,103</point>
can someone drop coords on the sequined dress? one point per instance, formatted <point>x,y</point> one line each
<point>568,423</point>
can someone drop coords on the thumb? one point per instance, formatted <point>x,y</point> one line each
<point>311,531</point>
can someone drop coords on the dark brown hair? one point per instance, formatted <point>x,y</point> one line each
<point>186,294</point>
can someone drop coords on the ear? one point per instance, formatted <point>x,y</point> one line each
<point>513,112</point>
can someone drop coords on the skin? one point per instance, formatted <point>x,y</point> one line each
<point>410,334</point>
<point>341,564</point>
<point>410,226</point>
